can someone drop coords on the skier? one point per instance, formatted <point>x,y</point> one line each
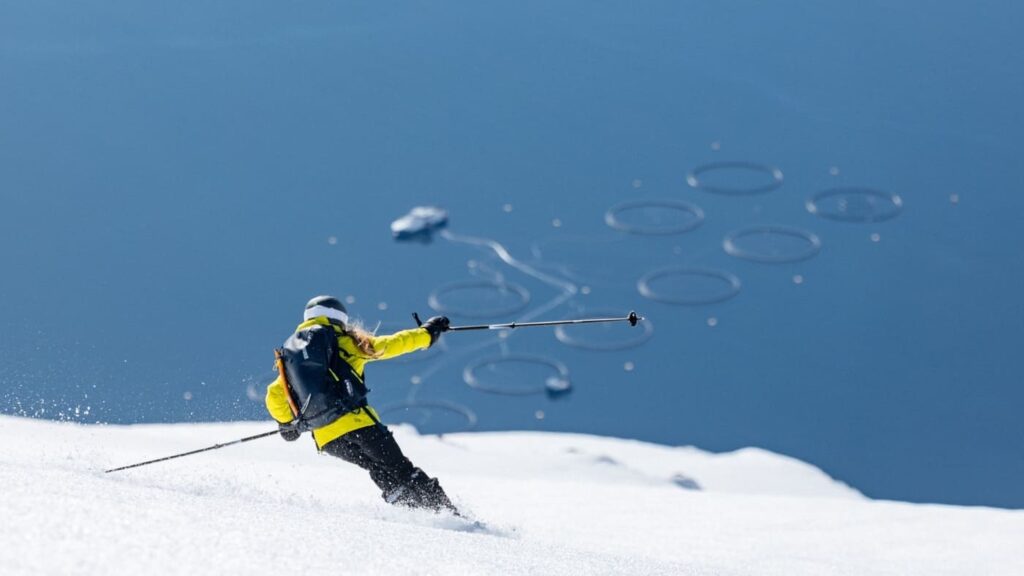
<point>343,424</point>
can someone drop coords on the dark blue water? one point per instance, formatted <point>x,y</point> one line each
<point>172,179</point>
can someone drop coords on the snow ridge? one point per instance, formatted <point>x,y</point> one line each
<point>552,504</point>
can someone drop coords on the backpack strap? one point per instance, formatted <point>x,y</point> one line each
<point>380,425</point>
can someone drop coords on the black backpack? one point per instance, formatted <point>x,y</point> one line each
<point>322,386</point>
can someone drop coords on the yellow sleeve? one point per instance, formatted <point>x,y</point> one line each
<point>277,401</point>
<point>400,343</point>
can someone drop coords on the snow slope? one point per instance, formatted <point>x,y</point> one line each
<point>553,503</point>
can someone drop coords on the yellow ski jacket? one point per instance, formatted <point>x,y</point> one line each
<point>386,346</point>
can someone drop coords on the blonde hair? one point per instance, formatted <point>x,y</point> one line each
<point>362,339</point>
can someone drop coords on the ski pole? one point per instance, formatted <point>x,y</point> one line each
<point>632,318</point>
<point>214,447</point>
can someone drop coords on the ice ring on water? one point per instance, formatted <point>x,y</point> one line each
<point>610,336</point>
<point>505,375</point>
<point>772,244</point>
<point>427,415</point>
<point>735,178</point>
<point>690,286</point>
<point>654,216</point>
<point>855,204</point>
<point>479,298</point>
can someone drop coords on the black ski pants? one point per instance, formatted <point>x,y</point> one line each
<point>374,449</point>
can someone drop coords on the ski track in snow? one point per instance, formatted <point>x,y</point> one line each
<point>551,504</point>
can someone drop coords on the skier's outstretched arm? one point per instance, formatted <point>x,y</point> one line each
<point>399,343</point>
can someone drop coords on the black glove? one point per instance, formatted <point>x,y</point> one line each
<point>290,431</point>
<point>434,326</point>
